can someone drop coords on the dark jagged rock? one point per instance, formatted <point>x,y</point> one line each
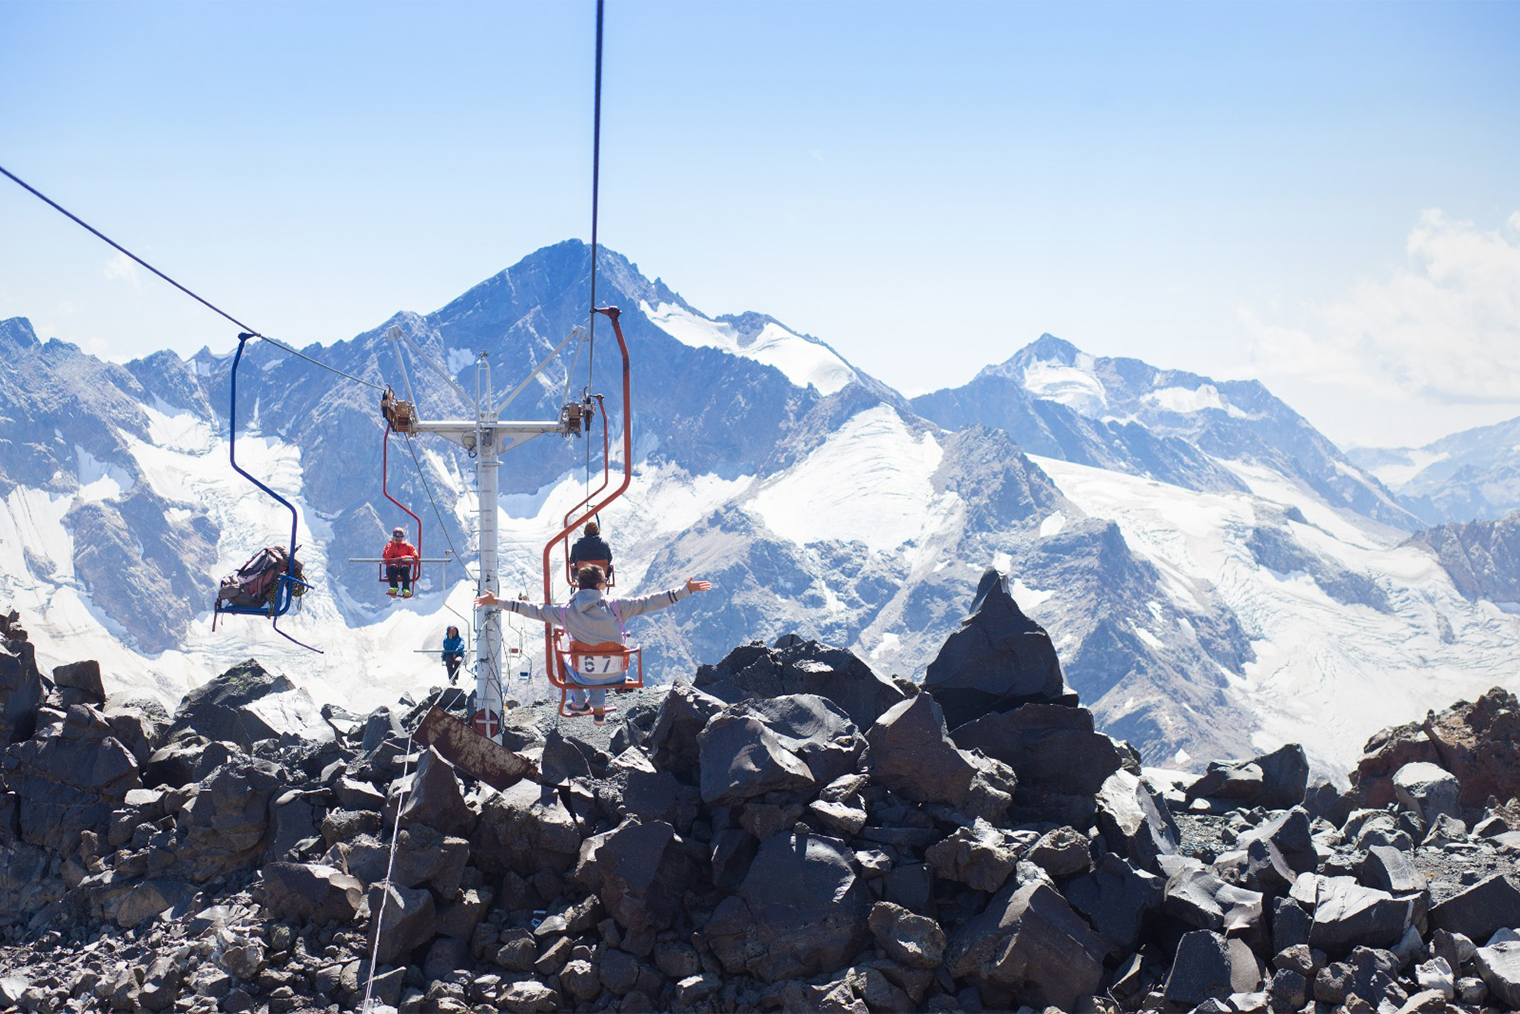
<point>809,667</point>
<point>802,909</point>
<point>1275,781</point>
<point>247,704</point>
<point>1116,898</point>
<point>743,759</point>
<point>1483,908</point>
<point>1135,821</point>
<point>79,683</point>
<point>672,743</point>
<point>309,892</point>
<point>1054,748</point>
<point>526,828</point>
<point>1346,914</point>
<point>436,798</point>
<point>640,870</point>
<point>69,778</point>
<point>1028,943</point>
<point>1428,791</point>
<point>21,691</point>
<point>227,819</point>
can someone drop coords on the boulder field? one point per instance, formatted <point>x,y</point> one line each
<point>785,830</point>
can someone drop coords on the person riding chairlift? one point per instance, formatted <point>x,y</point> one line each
<point>592,548</point>
<point>399,555</point>
<point>453,653</point>
<point>592,618</point>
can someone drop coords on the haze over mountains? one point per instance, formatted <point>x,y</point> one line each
<point>1217,577</point>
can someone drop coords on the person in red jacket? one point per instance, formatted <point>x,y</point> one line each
<point>399,556</point>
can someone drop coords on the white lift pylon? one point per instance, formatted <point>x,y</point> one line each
<point>488,437</point>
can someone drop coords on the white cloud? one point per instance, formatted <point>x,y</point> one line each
<point>122,268</point>
<point>1444,328</point>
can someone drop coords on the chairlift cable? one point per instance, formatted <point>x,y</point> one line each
<point>437,513</point>
<point>204,302</point>
<point>596,168</point>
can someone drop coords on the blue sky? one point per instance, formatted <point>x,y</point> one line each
<point>1321,196</point>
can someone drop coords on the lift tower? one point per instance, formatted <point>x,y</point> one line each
<point>486,437</point>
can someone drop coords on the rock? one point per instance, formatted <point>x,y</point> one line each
<point>640,870</point>
<point>436,798</point>
<point>1479,743</point>
<point>1436,975</point>
<point>1480,910</point>
<point>1135,821</point>
<point>742,759</point>
<point>525,829</point>
<point>529,997</point>
<point>1053,747</point>
<point>807,667</point>
<point>1198,897</point>
<point>138,723</point>
<point>913,940</point>
<point>1426,790</point>
<point>68,778</point>
<point>226,820</point>
<point>980,856</point>
<point>247,704</point>
<point>1116,898</point>
<point>402,918</point>
<point>1028,942</point>
<point>912,754</point>
<point>160,986</point>
<point>148,899</point>
<point>1499,964</point>
<point>186,761</point>
<point>1274,781</point>
<point>1201,969</point>
<point>802,909</point>
<point>1388,869</point>
<point>812,728</point>
<point>997,660</point>
<point>84,679</point>
<point>1290,834</point>
<point>1062,853</point>
<point>1346,914</point>
<point>21,691</point>
<point>308,892</point>
<point>423,857</point>
<point>672,741</point>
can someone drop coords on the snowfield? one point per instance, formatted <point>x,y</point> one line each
<point>1327,674</point>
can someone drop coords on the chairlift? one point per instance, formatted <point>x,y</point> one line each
<point>289,586</point>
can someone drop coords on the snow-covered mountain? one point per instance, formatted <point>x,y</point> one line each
<point>1216,576</point>
<point>1472,475</point>
<point>1177,427</point>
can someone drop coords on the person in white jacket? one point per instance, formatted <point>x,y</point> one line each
<point>592,618</point>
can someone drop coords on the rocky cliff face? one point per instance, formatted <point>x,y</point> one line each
<point>1482,557</point>
<point>788,830</point>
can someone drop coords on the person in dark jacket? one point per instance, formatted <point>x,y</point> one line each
<point>592,549</point>
<point>453,652</point>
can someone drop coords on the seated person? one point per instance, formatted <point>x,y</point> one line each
<point>592,618</point>
<point>399,556</point>
<point>453,652</point>
<point>592,548</point>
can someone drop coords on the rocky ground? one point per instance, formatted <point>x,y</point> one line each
<point>786,831</point>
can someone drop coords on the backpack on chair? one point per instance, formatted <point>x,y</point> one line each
<point>257,582</point>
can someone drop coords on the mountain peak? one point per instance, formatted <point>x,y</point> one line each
<point>17,332</point>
